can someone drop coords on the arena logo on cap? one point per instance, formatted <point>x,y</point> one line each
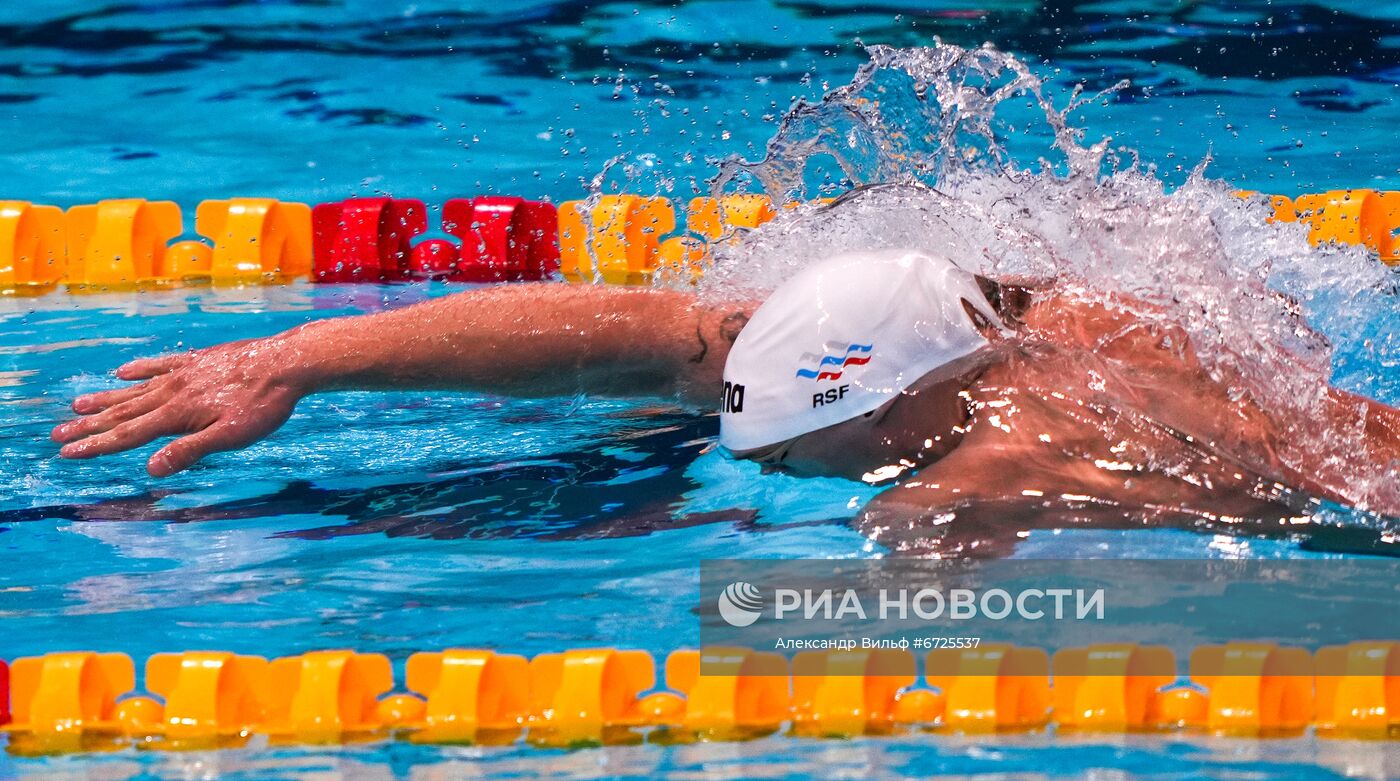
<point>833,360</point>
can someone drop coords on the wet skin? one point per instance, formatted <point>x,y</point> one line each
<point>1092,416</point>
<point>1083,414</point>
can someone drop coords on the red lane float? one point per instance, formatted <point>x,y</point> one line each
<point>4,693</point>
<point>500,239</point>
<point>436,259</point>
<point>503,239</point>
<point>365,239</point>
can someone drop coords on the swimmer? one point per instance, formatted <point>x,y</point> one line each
<point>978,400</point>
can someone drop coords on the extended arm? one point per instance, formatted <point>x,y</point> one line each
<point>539,340</point>
<point>526,340</point>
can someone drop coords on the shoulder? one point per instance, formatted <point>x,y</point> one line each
<point>1112,327</point>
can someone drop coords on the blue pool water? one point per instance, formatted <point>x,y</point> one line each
<point>406,521</point>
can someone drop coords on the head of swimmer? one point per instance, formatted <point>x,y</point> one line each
<point>920,425</point>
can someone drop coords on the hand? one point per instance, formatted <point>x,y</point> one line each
<point>221,398</point>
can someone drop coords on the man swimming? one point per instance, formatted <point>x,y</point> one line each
<point>979,400</point>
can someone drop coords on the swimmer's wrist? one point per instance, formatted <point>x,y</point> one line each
<point>311,357</point>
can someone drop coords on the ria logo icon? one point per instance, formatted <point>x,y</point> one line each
<point>740,604</point>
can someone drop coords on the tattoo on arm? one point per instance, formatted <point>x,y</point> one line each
<point>731,325</point>
<point>729,329</point>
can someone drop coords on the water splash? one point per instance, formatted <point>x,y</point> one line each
<point>926,141</point>
<point>915,115</point>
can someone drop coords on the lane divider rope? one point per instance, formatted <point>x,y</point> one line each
<point>1366,217</point>
<point>135,243</point>
<point>86,701</point>
<point>618,239</point>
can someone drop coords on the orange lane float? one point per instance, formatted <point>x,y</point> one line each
<point>33,247</point>
<point>1252,689</point>
<point>84,701</point>
<point>1281,204</point>
<point>65,702</point>
<point>919,708</point>
<point>121,243</point>
<point>710,220</point>
<point>995,687</point>
<point>724,694</point>
<point>715,218</point>
<point>1358,690</point>
<point>208,699</point>
<point>326,696</point>
<point>613,238</point>
<point>848,693</point>
<point>589,696</point>
<point>470,697</point>
<point>254,240</point>
<point>683,257</point>
<point>1364,217</point>
<point>1110,687</point>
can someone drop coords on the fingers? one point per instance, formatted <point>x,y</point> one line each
<point>107,419</point>
<point>89,403</point>
<point>146,368</point>
<point>185,451</point>
<point>125,435</point>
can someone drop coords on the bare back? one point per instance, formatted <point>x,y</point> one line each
<point>1099,418</point>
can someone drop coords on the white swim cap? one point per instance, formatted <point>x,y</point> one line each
<point>841,338</point>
